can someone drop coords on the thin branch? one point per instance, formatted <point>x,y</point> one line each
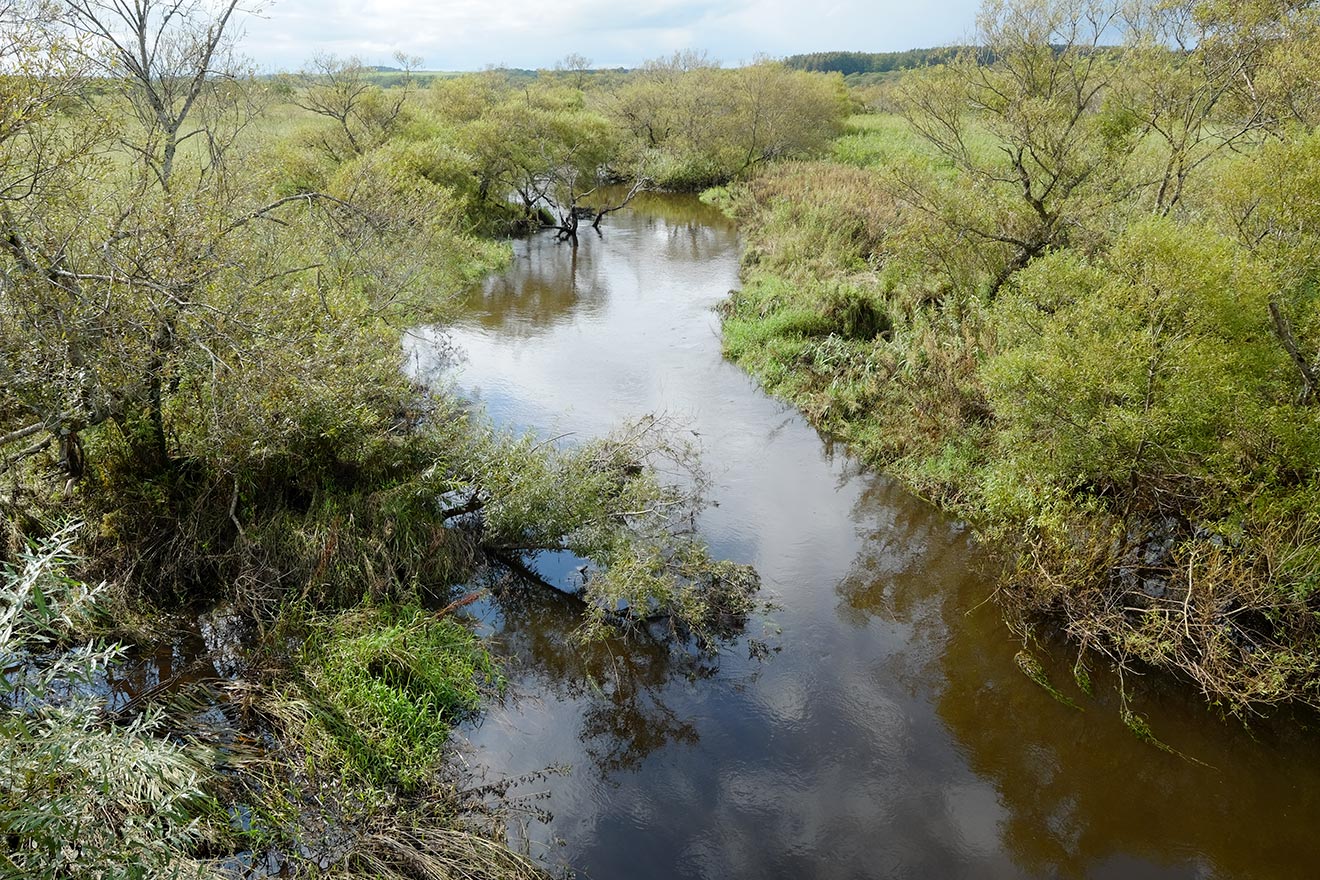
<point>21,434</point>
<point>309,197</point>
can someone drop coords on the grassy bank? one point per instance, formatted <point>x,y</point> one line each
<point>329,756</point>
<point>1122,414</point>
<point>204,279</point>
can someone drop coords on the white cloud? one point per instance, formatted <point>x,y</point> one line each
<point>470,34</point>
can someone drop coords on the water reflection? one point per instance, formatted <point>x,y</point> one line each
<point>1073,793</point>
<point>544,285</point>
<point>153,672</point>
<point>893,736</point>
<point>549,282</point>
<point>671,211</point>
<point>618,683</point>
<point>1084,797</point>
<point>900,544</point>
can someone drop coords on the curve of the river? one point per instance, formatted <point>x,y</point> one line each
<point>892,734</point>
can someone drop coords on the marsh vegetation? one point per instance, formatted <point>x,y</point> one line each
<point>1064,287</point>
<point>1062,282</point>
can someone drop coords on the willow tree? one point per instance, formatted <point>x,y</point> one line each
<point>1269,45</point>
<point>342,90</point>
<point>172,58</point>
<point>543,147</point>
<point>170,327</point>
<point>1203,78</point>
<point>111,262</point>
<point>693,123</point>
<point>1030,131</point>
<point>45,74</point>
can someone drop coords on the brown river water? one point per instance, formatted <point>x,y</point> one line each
<point>892,734</point>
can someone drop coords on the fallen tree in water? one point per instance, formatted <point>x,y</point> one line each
<point>201,361</point>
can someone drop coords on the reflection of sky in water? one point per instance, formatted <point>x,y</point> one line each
<point>893,735</point>
<point>185,659</point>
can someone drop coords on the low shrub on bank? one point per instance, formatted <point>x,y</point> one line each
<point>1131,415</point>
<point>329,760</point>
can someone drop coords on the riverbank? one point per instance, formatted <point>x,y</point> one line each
<point>1120,418</point>
<point>211,413</point>
<point>891,696</point>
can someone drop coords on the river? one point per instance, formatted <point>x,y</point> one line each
<point>889,732</point>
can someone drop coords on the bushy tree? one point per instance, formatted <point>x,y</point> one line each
<point>694,124</point>
<point>176,332</point>
<point>1030,131</point>
<point>342,90</point>
<point>1149,376</point>
<point>1267,202</point>
<point>1268,47</point>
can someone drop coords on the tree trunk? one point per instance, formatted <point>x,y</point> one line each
<point>1283,330</point>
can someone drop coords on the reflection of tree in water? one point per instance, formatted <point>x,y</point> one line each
<point>694,243</point>
<point>1078,793</point>
<point>1080,789</point>
<point>621,680</point>
<point>891,576</point>
<point>550,282</point>
<point>694,232</point>
<point>547,283</point>
<point>675,209</point>
<point>627,722</point>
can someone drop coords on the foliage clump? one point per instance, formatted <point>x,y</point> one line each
<point>346,777</point>
<point>1096,262</point>
<point>383,687</point>
<point>83,791</point>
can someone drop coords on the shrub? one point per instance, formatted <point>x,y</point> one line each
<point>83,795</point>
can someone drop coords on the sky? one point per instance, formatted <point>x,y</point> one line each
<point>474,34</point>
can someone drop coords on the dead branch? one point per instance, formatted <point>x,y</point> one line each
<point>641,185</point>
<point>1283,330</point>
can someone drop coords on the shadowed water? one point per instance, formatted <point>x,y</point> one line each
<point>892,735</point>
